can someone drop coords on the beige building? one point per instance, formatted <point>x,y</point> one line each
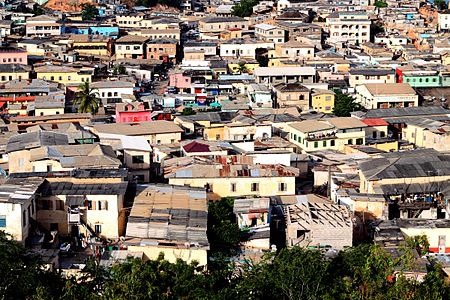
<point>224,178</point>
<point>292,94</point>
<point>427,133</point>
<point>386,95</point>
<point>171,220</point>
<point>156,132</point>
<point>270,33</point>
<point>55,158</point>
<point>218,24</point>
<point>131,46</point>
<point>364,76</point>
<point>42,26</point>
<point>407,173</point>
<point>291,51</point>
<point>324,134</point>
<point>66,207</point>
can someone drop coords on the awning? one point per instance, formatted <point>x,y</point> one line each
<point>416,188</point>
<point>74,200</point>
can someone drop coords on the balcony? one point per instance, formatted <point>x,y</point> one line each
<point>321,136</point>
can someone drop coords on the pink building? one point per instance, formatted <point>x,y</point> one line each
<point>179,81</point>
<point>133,112</point>
<point>10,55</point>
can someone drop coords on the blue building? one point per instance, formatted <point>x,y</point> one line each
<point>110,31</point>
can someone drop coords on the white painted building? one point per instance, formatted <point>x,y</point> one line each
<point>240,48</point>
<point>386,95</point>
<point>43,25</point>
<point>18,206</point>
<point>111,92</point>
<point>348,27</point>
<point>444,20</point>
<point>269,33</point>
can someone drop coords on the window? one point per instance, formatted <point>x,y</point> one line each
<point>217,137</point>
<point>282,187</point>
<point>350,142</point>
<point>59,205</point>
<point>233,187</point>
<point>332,143</point>
<point>44,204</point>
<point>324,143</point>
<point>2,221</point>
<point>255,187</point>
<point>89,205</point>
<point>359,141</point>
<point>382,134</point>
<point>49,168</point>
<point>24,217</point>
<point>138,159</point>
<point>98,228</point>
<point>102,205</point>
<point>316,144</point>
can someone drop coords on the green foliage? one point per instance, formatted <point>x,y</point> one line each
<point>244,8</point>
<point>419,243</point>
<point>380,3</point>
<point>223,232</point>
<point>440,4</point>
<point>119,70</point>
<point>294,273</point>
<point>22,275</point>
<point>188,111</point>
<point>89,11</point>
<point>242,68</point>
<point>362,272</point>
<point>344,105</point>
<point>87,99</point>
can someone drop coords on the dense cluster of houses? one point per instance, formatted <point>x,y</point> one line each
<point>197,104</point>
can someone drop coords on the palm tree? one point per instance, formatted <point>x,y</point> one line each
<point>87,99</point>
<point>242,68</point>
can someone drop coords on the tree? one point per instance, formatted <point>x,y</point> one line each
<point>87,99</point>
<point>89,11</point>
<point>242,67</point>
<point>244,8</point>
<point>344,105</point>
<point>22,274</point>
<point>119,70</point>
<point>223,231</point>
<point>440,4</point>
<point>380,4</point>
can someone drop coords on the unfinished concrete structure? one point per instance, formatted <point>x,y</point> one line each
<point>318,224</point>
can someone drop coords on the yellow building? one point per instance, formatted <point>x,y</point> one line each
<point>322,100</point>
<point>65,75</point>
<point>161,221</point>
<point>229,179</point>
<point>427,133</point>
<point>87,45</point>
<point>10,72</point>
<point>327,134</point>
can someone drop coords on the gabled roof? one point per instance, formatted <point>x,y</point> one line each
<point>195,146</point>
<point>407,164</point>
<point>36,139</point>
